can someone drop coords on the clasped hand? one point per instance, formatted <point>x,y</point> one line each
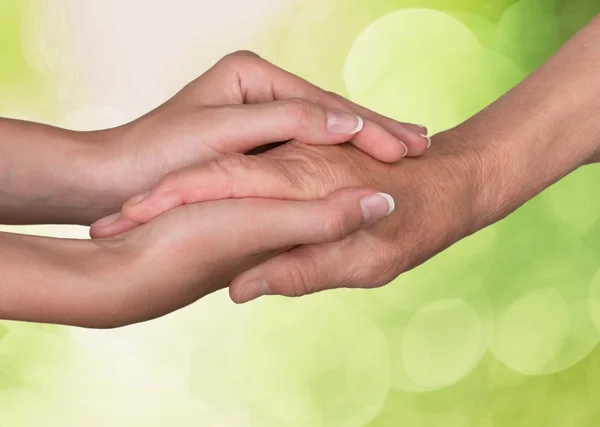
<point>289,220</point>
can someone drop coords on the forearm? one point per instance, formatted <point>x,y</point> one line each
<point>56,281</point>
<point>52,175</point>
<point>540,131</point>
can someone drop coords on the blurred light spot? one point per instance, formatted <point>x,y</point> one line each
<point>573,199</point>
<point>442,343</point>
<point>310,362</point>
<point>437,77</point>
<point>43,36</point>
<point>530,332</point>
<point>594,300</point>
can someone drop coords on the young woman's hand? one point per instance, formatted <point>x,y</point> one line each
<point>242,103</point>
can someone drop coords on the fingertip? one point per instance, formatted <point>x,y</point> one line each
<point>151,207</point>
<point>377,206</point>
<point>419,129</point>
<point>416,144</point>
<point>118,227</point>
<point>405,148</point>
<point>359,125</point>
<point>380,144</point>
<point>428,139</point>
<point>342,123</point>
<point>137,199</point>
<point>249,291</point>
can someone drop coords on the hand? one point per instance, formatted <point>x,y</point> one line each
<point>473,176</point>
<point>194,250</point>
<point>435,196</point>
<point>207,119</point>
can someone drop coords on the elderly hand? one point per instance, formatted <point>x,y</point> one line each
<point>435,208</point>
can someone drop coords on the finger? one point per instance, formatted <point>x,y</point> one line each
<point>267,225</point>
<point>255,80</point>
<point>300,271</point>
<point>308,269</point>
<point>414,136</point>
<point>240,128</point>
<point>111,225</point>
<point>286,85</point>
<point>281,223</point>
<point>231,176</point>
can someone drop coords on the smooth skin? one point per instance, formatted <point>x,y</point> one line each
<point>473,176</point>
<point>51,175</point>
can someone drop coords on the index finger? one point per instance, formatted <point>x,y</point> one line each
<point>255,80</point>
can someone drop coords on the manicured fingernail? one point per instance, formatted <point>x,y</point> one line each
<point>253,290</point>
<point>137,199</point>
<point>405,148</point>
<point>343,123</point>
<point>376,207</point>
<point>428,140</point>
<point>107,220</point>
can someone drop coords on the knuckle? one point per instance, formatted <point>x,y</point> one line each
<point>239,59</point>
<point>299,111</point>
<point>231,168</point>
<point>245,54</point>
<point>232,164</point>
<point>168,182</point>
<point>333,95</point>
<point>314,169</point>
<point>381,269</point>
<point>336,224</point>
<point>375,266</point>
<point>300,277</point>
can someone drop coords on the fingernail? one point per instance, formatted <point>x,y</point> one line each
<point>425,131</point>
<point>252,290</point>
<point>428,140</point>
<point>343,123</point>
<point>405,148</point>
<point>107,220</point>
<point>376,207</point>
<point>137,199</point>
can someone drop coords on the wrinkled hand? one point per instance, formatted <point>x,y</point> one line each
<point>194,250</point>
<point>435,196</point>
<point>244,102</point>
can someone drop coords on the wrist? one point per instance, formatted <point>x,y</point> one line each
<point>509,166</point>
<point>540,131</point>
<point>58,281</point>
<point>116,169</point>
<point>94,188</point>
<point>49,175</point>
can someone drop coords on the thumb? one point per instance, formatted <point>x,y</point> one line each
<point>323,224</point>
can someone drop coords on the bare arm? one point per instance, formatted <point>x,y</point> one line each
<point>50,175</point>
<point>56,280</point>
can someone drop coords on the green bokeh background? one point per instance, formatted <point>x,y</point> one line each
<point>500,330</point>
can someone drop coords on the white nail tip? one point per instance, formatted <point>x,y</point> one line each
<point>405,149</point>
<point>428,140</point>
<point>359,125</point>
<point>390,200</point>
